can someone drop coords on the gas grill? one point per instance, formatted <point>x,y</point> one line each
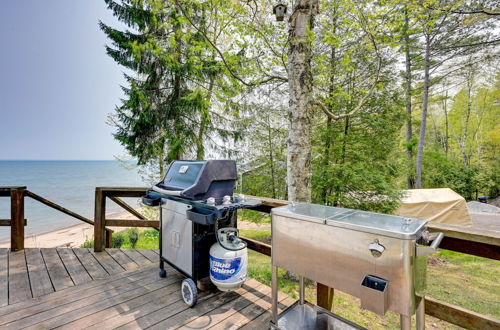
<point>375,257</point>
<point>196,199</point>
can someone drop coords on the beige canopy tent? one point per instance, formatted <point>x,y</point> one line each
<point>441,205</point>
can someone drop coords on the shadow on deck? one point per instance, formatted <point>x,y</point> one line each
<point>119,288</point>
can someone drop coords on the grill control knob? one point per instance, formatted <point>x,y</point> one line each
<point>376,248</point>
<point>226,200</point>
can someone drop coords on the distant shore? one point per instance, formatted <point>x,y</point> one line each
<point>71,236</point>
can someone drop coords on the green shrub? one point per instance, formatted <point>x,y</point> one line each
<point>133,237</point>
<point>118,240</point>
<point>89,243</point>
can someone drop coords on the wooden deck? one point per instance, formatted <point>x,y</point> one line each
<point>119,288</point>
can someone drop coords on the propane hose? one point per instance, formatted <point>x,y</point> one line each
<point>231,238</point>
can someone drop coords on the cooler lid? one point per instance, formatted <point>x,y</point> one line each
<point>378,223</point>
<point>309,212</point>
<point>370,222</point>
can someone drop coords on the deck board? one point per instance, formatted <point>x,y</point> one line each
<point>112,316</point>
<point>111,266</point>
<point>253,293</point>
<point>86,308</point>
<point>137,257</point>
<point>122,259</point>
<point>128,299</point>
<point>150,254</point>
<point>4,277</point>
<point>57,272</point>
<point>19,283</point>
<point>93,267</point>
<point>26,308</point>
<point>78,273</point>
<point>38,275</point>
<point>53,312</point>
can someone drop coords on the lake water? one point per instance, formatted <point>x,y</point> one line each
<point>70,184</point>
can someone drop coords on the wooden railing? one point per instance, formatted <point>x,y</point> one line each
<point>460,239</point>
<point>101,239</point>
<point>17,221</point>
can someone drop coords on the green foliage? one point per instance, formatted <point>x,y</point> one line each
<point>133,237</point>
<point>88,244</point>
<point>117,241</point>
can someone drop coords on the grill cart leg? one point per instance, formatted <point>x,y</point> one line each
<point>274,288</point>
<point>405,322</point>
<point>163,272</point>
<point>421,314</point>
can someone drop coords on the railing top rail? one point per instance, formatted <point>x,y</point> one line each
<point>6,188</point>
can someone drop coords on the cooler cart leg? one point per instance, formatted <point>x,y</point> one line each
<point>274,288</point>
<point>405,322</point>
<point>421,314</point>
<point>301,290</point>
<point>163,272</point>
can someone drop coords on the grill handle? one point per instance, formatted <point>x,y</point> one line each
<point>436,239</point>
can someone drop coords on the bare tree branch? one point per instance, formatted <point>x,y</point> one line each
<point>363,100</point>
<point>231,72</point>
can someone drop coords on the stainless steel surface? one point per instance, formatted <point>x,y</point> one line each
<point>339,247</point>
<point>177,235</point>
<point>375,223</point>
<point>309,317</point>
<point>274,288</point>
<point>436,239</point>
<point>340,258</point>
<point>376,248</point>
<point>420,314</point>
<point>309,212</point>
<point>374,298</point>
<point>167,192</point>
<point>302,292</point>
<point>405,322</point>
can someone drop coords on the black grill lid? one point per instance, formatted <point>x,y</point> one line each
<point>199,179</point>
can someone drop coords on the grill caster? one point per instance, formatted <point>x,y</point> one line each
<point>189,292</point>
<point>163,273</point>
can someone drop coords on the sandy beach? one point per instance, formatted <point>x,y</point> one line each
<point>72,236</point>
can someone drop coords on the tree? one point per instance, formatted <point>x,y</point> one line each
<point>166,113</point>
<point>447,33</point>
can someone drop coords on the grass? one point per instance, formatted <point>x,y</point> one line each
<point>460,279</point>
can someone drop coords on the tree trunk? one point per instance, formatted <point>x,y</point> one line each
<point>409,148</point>
<point>271,157</point>
<point>425,103</point>
<point>329,122</point>
<point>204,120</point>
<point>300,89</point>
<point>446,125</point>
<point>463,145</point>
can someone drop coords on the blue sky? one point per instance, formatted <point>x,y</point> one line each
<point>57,85</point>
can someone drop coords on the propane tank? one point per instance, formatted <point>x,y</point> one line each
<point>228,260</point>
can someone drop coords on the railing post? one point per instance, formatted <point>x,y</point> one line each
<point>17,218</point>
<point>324,296</point>
<point>109,239</point>
<point>99,220</point>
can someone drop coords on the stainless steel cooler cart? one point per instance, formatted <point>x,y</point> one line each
<point>375,257</point>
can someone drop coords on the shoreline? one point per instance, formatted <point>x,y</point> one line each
<point>70,236</point>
